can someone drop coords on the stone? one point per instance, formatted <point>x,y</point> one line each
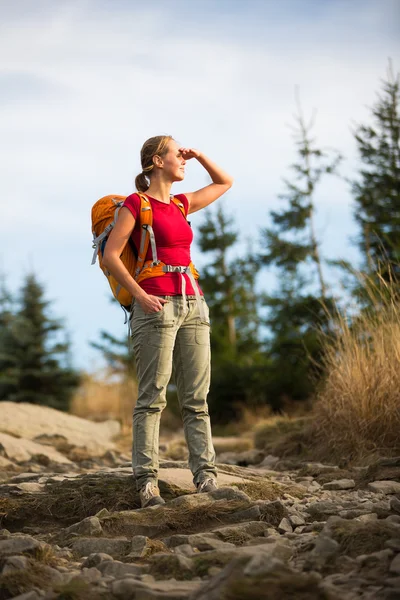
<point>243,530</point>
<point>367,518</point>
<point>113,546</point>
<point>15,563</point>
<point>22,450</point>
<point>133,589</point>
<point>261,564</point>
<point>204,541</point>
<point>324,550</point>
<point>296,520</point>
<point>163,566</point>
<point>385,487</point>
<point>20,544</point>
<point>285,526</point>
<point>28,596</point>
<point>139,547</point>
<point>395,504</point>
<point>94,559</point>
<point>118,569</point>
<point>323,508</point>
<point>185,549</point>
<point>268,462</point>
<point>248,514</point>
<point>36,422</point>
<point>88,526</point>
<point>395,565</point>
<point>394,544</point>
<point>339,484</point>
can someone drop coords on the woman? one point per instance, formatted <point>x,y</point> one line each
<point>170,319</point>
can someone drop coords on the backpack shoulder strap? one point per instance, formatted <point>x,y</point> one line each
<point>179,204</point>
<point>146,231</point>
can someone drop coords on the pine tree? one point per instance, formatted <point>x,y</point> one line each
<point>377,189</point>
<point>229,285</point>
<point>35,366</point>
<point>298,309</point>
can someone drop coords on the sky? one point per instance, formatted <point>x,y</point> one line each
<point>83,83</point>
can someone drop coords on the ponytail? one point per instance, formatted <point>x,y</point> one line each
<point>141,182</point>
<point>157,145</point>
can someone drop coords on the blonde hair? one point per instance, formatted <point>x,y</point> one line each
<point>154,146</point>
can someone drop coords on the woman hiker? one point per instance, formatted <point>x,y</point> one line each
<point>170,318</point>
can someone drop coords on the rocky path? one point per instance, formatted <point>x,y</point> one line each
<point>274,530</point>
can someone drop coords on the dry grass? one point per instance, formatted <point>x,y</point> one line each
<point>180,519</point>
<point>99,397</point>
<point>358,410</point>
<point>357,538</point>
<point>284,435</point>
<point>18,582</point>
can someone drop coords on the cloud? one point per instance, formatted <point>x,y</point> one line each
<point>85,83</point>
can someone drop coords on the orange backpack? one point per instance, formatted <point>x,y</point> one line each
<point>104,216</point>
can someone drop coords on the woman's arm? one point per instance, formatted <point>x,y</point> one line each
<point>116,242</point>
<point>221,181</point>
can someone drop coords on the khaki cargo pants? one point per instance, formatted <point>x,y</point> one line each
<point>172,340</point>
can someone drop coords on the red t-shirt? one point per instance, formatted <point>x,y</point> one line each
<point>173,236</point>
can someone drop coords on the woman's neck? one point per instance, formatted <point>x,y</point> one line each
<point>160,190</point>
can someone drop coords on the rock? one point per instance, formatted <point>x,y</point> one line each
<point>260,564</point>
<point>185,549</point>
<point>395,565</point>
<point>94,559</point>
<point>248,457</point>
<point>20,544</point>
<point>385,487</point>
<point>296,520</point>
<point>268,462</point>
<point>140,546</point>
<point>15,563</point>
<point>243,531</point>
<point>165,566</point>
<point>249,514</point>
<point>395,504</point>
<point>132,589</point>
<point>339,484</point>
<point>32,421</point>
<point>118,569</point>
<point>204,542</point>
<point>367,518</point>
<point>22,450</point>
<point>89,526</point>
<point>28,596</point>
<point>285,526</point>
<point>113,546</point>
<point>324,550</point>
<point>320,510</point>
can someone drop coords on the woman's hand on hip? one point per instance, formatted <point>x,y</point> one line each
<point>151,304</point>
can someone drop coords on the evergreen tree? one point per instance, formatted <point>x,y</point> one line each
<point>298,309</point>
<point>377,189</point>
<point>34,365</point>
<point>229,287</point>
<point>7,341</point>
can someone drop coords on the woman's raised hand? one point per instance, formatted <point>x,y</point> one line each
<point>188,153</point>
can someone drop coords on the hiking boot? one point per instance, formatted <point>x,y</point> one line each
<point>208,485</point>
<point>150,495</point>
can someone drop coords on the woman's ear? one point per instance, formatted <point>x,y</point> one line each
<point>157,160</point>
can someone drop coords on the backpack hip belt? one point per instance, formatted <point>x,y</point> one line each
<point>155,268</point>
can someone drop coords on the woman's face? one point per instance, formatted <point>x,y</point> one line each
<point>173,162</point>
